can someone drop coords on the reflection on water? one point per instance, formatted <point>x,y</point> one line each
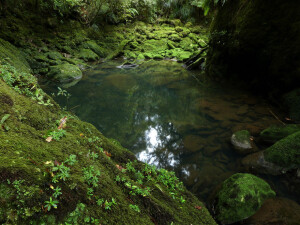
<point>161,113</point>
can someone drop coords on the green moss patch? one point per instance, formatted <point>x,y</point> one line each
<point>286,152</point>
<point>275,133</point>
<point>240,197</point>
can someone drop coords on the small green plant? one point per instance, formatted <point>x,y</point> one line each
<point>90,193</point>
<point>108,205</point>
<point>93,139</point>
<point>91,175</point>
<point>93,155</point>
<point>62,92</point>
<point>57,134</point>
<point>57,192</point>
<point>51,204</point>
<point>129,167</point>
<point>71,160</point>
<point>63,172</point>
<point>135,208</point>
<point>100,201</point>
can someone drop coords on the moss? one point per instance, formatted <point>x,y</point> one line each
<point>274,133</point>
<point>54,55</point>
<point>286,152</point>
<point>27,159</point>
<point>65,72</point>
<point>95,48</point>
<point>13,56</point>
<point>240,197</point>
<point>87,55</point>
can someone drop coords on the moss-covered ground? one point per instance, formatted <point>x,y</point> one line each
<point>79,176</point>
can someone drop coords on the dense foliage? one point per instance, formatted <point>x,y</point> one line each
<point>116,11</point>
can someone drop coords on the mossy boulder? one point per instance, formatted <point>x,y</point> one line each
<point>175,37</point>
<point>64,72</point>
<point>92,45</point>
<point>88,55</point>
<point>240,197</point>
<point>291,101</point>
<point>241,140</point>
<point>286,152</point>
<point>54,55</point>
<point>274,133</point>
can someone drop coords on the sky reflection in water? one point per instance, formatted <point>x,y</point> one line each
<point>163,115</point>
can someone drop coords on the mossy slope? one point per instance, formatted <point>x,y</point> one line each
<point>28,175</point>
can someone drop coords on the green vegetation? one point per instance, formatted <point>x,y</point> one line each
<point>240,197</point>
<point>286,152</point>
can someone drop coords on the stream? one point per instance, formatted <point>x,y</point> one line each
<point>169,118</point>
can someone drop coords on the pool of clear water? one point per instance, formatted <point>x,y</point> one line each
<point>169,118</point>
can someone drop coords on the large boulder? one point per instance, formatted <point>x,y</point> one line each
<point>279,211</point>
<point>274,133</point>
<point>286,152</point>
<point>64,73</point>
<point>240,197</point>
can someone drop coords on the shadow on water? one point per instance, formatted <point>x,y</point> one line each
<point>160,112</point>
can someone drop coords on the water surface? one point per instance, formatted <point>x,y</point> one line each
<point>169,118</point>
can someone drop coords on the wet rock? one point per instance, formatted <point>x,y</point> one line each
<point>127,66</point>
<point>64,72</point>
<point>275,133</point>
<point>240,197</point>
<point>286,152</point>
<point>256,162</point>
<point>279,211</point>
<point>292,101</point>
<point>241,140</point>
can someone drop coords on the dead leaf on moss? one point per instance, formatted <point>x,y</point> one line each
<point>107,153</point>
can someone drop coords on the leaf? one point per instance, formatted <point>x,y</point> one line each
<point>4,118</point>
<point>49,139</point>
<point>120,167</point>
<point>107,153</point>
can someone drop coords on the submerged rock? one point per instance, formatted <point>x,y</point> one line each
<point>279,211</point>
<point>64,73</point>
<point>241,140</point>
<point>256,162</point>
<point>240,197</point>
<point>275,133</point>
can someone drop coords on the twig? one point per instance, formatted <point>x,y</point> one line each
<point>276,117</point>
